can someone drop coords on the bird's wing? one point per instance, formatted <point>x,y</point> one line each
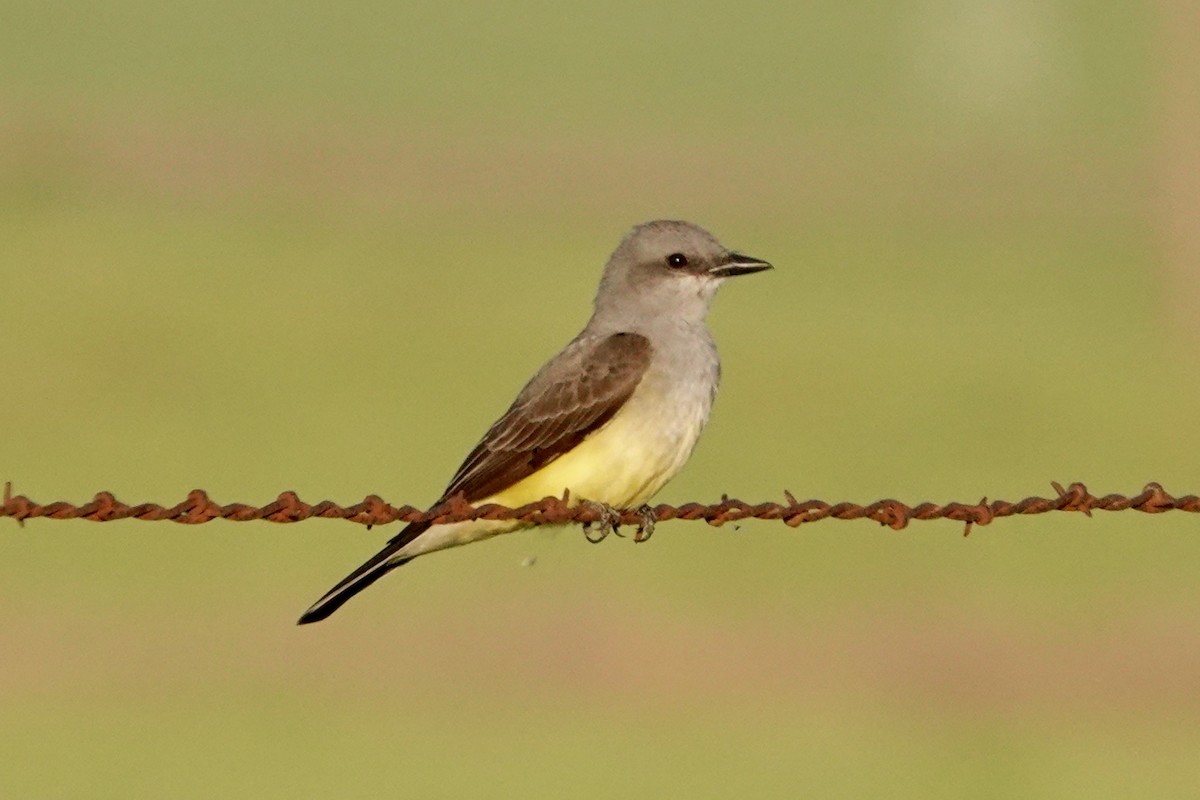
<point>570,398</point>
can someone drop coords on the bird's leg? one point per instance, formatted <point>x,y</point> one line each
<point>646,527</point>
<point>609,522</point>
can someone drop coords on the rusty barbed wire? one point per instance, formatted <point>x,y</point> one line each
<point>372,510</point>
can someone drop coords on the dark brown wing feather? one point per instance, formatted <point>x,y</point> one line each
<point>570,398</point>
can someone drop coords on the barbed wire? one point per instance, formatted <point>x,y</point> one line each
<point>198,508</point>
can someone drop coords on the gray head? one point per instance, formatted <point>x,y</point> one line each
<point>667,268</point>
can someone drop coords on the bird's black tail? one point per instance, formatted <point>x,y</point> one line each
<point>375,568</point>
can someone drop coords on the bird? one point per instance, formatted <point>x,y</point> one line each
<point>607,421</point>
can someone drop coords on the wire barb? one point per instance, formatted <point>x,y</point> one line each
<point>198,508</point>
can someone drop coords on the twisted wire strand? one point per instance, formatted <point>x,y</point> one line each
<point>198,508</point>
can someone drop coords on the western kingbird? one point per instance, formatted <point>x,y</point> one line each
<point>612,417</point>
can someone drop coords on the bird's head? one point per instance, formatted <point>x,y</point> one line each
<point>671,269</point>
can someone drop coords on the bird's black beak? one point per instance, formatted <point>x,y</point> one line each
<point>737,264</point>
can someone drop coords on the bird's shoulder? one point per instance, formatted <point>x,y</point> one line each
<point>591,364</point>
<point>573,395</point>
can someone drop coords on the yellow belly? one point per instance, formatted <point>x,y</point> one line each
<point>621,465</point>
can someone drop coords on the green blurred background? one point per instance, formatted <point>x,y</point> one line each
<point>261,246</point>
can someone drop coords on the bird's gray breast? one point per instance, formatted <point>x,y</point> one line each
<point>676,395</point>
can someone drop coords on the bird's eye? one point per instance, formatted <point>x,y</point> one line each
<point>677,260</point>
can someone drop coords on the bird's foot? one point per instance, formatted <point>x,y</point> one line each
<point>646,525</point>
<point>609,522</point>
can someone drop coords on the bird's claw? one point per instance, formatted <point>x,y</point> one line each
<point>646,526</point>
<point>609,522</point>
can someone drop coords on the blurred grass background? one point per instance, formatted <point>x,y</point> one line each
<point>258,246</point>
